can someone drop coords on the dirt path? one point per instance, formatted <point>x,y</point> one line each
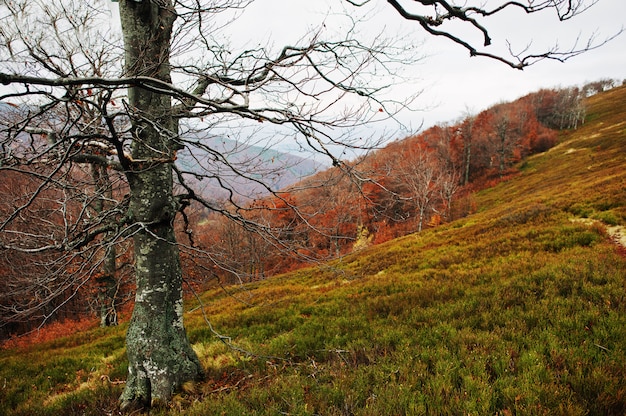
<point>616,232</point>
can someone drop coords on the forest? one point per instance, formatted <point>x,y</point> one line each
<point>515,309</point>
<point>411,184</point>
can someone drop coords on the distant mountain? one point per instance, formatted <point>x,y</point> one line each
<point>221,167</point>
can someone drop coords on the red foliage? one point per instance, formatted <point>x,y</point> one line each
<point>49,332</point>
<point>420,181</point>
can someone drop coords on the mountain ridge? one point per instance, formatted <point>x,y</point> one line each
<point>246,171</point>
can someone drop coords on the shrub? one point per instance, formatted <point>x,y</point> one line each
<point>606,217</point>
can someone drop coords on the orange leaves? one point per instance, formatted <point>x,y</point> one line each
<point>435,220</point>
<point>410,183</point>
<point>49,332</point>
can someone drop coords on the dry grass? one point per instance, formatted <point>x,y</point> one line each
<point>515,310</point>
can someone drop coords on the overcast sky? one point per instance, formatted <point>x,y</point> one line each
<point>460,81</point>
<point>452,81</point>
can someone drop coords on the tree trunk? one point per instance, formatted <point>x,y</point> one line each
<point>106,282</point>
<point>159,353</point>
<point>420,218</point>
<point>502,133</point>
<point>107,289</point>
<point>501,160</point>
<point>468,160</point>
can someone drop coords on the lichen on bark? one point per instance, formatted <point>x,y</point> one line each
<point>160,355</point>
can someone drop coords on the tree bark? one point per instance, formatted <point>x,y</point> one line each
<point>107,289</point>
<point>159,353</point>
<point>502,127</point>
<point>106,282</point>
<point>468,160</point>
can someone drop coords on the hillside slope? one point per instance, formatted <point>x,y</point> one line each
<point>584,174</point>
<point>519,309</point>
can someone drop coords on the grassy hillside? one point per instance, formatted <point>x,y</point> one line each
<point>519,309</point>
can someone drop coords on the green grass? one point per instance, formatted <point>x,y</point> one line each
<point>515,310</point>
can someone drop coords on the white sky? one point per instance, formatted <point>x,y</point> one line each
<point>454,82</point>
<point>477,83</point>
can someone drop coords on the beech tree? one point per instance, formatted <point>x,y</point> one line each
<point>180,82</point>
<point>419,172</point>
<point>466,131</point>
<point>503,138</point>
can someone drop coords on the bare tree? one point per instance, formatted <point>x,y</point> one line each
<point>419,171</point>
<point>466,133</point>
<point>503,138</point>
<point>179,77</point>
<point>141,125</point>
<point>107,282</point>
<point>572,108</point>
<point>448,188</point>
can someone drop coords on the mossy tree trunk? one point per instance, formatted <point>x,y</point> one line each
<point>159,353</point>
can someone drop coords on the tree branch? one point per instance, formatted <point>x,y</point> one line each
<point>566,9</point>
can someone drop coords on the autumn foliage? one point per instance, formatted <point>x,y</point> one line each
<point>414,183</point>
<point>411,184</point>
<point>52,331</point>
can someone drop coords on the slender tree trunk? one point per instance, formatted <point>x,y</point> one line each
<point>420,218</point>
<point>107,287</point>
<point>502,133</point>
<point>159,353</point>
<point>501,159</point>
<point>468,160</point>
<point>106,282</point>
